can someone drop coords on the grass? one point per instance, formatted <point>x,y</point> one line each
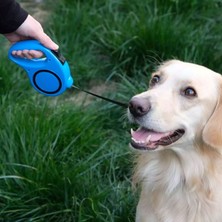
<point>61,164</point>
<point>68,161</point>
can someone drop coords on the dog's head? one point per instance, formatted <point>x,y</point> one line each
<point>183,104</point>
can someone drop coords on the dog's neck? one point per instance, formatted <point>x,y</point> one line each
<point>181,180</point>
<point>178,168</point>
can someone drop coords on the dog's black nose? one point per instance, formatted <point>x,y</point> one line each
<point>139,106</point>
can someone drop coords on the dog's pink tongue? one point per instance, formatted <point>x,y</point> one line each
<point>143,134</point>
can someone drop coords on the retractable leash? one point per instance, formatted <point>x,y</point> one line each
<point>50,75</point>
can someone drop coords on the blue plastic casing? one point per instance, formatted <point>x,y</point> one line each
<point>49,75</point>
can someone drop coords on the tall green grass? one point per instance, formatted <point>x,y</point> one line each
<point>61,164</point>
<point>65,160</point>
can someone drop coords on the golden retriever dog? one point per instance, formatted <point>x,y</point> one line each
<point>179,145</point>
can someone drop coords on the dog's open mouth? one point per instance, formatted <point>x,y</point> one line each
<point>146,139</point>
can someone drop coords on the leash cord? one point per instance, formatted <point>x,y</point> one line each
<point>125,105</point>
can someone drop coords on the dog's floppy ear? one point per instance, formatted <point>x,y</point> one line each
<point>212,133</point>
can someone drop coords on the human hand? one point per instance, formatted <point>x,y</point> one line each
<point>30,29</point>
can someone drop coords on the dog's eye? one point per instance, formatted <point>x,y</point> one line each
<point>154,80</point>
<point>189,92</point>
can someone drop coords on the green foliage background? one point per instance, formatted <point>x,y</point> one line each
<point>62,159</point>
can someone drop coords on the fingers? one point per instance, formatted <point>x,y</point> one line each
<point>35,54</point>
<point>28,54</point>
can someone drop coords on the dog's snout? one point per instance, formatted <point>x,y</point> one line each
<point>139,106</point>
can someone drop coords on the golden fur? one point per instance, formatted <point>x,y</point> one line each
<point>182,182</point>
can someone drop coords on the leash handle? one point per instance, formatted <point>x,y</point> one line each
<point>49,75</point>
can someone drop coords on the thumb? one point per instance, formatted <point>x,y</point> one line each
<point>47,41</point>
<point>31,28</point>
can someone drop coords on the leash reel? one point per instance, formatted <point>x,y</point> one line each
<point>49,75</point>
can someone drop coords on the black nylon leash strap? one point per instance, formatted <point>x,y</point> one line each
<point>125,105</point>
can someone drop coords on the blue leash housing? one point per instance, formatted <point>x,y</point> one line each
<point>50,75</point>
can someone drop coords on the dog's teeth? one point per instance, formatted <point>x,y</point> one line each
<point>137,141</point>
<point>148,139</point>
<point>134,140</point>
<point>132,131</point>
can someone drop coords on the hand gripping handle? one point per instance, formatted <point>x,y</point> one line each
<point>49,75</point>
